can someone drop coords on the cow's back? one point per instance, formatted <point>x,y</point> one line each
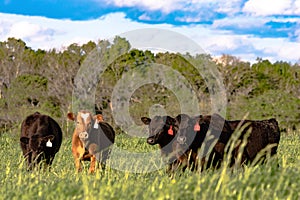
<point>263,133</point>
<point>103,136</point>
<point>99,141</point>
<point>109,131</point>
<point>268,133</point>
<point>42,125</point>
<point>29,125</point>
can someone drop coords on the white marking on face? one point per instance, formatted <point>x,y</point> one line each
<point>85,116</point>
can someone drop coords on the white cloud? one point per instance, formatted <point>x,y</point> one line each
<point>25,29</point>
<point>166,5</point>
<point>145,17</point>
<point>297,34</point>
<point>289,51</point>
<point>297,7</point>
<point>221,6</point>
<point>258,7</point>
<point>270,7</point>
<point>37,31</point>
<point>223,43</point>
<point>247,47</point>
<point>189,19</point>
<point>4,27</point>
<point>44,33</point>
<point>240,22</point>
<point>229,7</point>
<point>277,48</point>
<point>205,10</point>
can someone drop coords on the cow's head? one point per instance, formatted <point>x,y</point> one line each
<point>196,130</point>
<point>84,121</point>
<point>186,132</point>
<point>37,144</point>
<point>162,129</point>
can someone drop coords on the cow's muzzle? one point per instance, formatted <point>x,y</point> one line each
<point>83,135</point>
<point>151,141</point>
<point>181,139</point>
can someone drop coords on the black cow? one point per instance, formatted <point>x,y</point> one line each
<point>99,142</point>
<point>190,139</point>
<point>263,134</point>
<point>162,131</point>
<point>192,135</point>
<point>40,139</point>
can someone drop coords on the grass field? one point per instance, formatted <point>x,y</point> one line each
<point>258,182</point>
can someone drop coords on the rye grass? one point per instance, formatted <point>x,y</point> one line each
<point>278,179</point>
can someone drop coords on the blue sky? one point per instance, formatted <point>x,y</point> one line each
<point>248,29</point>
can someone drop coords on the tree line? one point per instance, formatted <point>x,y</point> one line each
<point>40,80</point>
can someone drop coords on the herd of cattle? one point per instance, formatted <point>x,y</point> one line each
<point>197,142</point>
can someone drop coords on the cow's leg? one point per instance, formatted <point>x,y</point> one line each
<point>78,154</point>
<point>172,167</point>
<point>93,164</point>
<point>104,155</point>
<point>48,162</point>
<point>92,151</point>
<point>77,163</point>
<point>29,162</point>
<point>193,161</point>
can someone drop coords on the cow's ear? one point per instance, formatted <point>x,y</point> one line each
<point>170,120</point>
<point>146,120</point>
<point>48,137</point>
<point>206,119</point>
<point>179,118</point>
<point>182,118</point>
<point>98,117</point>
<point>24,140</point>
<point>71,116</point>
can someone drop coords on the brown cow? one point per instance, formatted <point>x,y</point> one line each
<point>91,139</point>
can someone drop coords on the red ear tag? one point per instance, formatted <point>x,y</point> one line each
<point>197,127</point>
<point>170,131</point>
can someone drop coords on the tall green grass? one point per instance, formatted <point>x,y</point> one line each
<point>268,181</point>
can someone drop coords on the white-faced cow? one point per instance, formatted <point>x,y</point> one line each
<point>40,139</point>
<point>92,139</point>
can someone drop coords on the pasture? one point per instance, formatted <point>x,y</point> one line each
<point>268,181</point>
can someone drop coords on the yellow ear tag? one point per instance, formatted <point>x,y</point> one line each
<point>49,143</point>
<point>96,125</point>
